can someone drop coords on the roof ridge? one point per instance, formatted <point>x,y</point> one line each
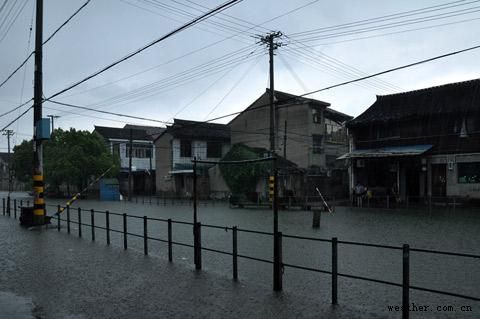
<point>435,87</point>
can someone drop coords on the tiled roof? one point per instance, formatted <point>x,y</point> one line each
<point>199,130</point>
<point>122,133</point>
<point>460,97</point>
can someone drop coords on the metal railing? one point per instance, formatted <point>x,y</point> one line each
<point>198,247</point>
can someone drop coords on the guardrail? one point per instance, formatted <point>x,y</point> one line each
<point>406,250</point>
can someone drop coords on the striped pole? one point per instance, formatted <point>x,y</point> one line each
<point>39,200</point>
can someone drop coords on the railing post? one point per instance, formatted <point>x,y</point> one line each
<point>145,236</point>
<point>235,253</point>
<point>277,263</point>
<point>197,245</point>
<point>92,222</point>
<point>334,271</point>
<point>3,206</point>
<point>8,206</point>
<point>15,208</point>
<point>107,226</point>
<point>21,203</point>
<point>406,282</point>
<point>79,222</point>
<point>124,231</point>
<point>170,253</point>
<point>68,219</point>
<point>58,217</point>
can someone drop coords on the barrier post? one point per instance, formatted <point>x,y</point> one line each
<point>170,252</point>
<point>107,226</point>
<point>124,231</point>
<point>92,223</point>
<point>145,235</point>
<point>406,282</point>
<point>235,253</point>
<point>334,271</point>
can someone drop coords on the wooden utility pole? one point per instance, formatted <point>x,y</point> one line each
<point>130,167</point>
<point>269,40</point>
<point>38,181</point>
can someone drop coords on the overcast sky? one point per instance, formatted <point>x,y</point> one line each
<point>216,67</point>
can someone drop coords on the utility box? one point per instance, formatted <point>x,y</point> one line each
<point>43,129</point>
<point>109,189</point>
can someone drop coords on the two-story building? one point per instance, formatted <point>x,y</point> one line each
<point>178,145</point>
<point>143,154</point>
<point>307,132</point>
<point>422,143</point>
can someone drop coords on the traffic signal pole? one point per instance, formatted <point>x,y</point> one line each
<point>38,181</point>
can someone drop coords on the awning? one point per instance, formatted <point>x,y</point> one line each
<point>181,171</point>
<point>388,151</point>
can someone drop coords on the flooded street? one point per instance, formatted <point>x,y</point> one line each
<point>442,229</point>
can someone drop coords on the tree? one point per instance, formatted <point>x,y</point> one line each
<point>72,158</point>
<point>243,178</point>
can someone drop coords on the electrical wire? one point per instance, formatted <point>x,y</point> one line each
<point>162,38</point>
<point>48,39</point>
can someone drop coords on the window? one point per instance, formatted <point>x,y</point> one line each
<point>317,143</point>
<point>214,149</point>
<point>468,173</point>
<point>185,148</point>
<point>317,117</point>
<point>138,150</point>
<point>332,126</point>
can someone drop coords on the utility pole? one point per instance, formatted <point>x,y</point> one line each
<point>130,167</point>
<point>38,181</point>
<point>9,133</point>
<point>269,41</point>
<point>53,117</point>
<point>285,141</point>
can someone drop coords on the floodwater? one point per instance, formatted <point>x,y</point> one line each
<point>442,229</point>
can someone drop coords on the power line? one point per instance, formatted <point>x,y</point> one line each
<point>17,118</point>
<point>66,22</point>
<point>390,25</point>
<point>388,17</point>
<point>162,38</point>
<point>201,48</point>
<point>106,112</point>
<point>12,22</point>
<point>50,37</point>
<point>15,108</point>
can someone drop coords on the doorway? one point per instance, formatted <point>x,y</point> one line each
<point>439,180</point>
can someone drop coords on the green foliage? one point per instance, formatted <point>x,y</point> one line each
<point>71,157</point>
<point>243,178</point>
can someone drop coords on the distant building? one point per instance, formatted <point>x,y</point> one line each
<point>178,145</point>
<point>143,154</point>
<point>308,133</point>
<point>420,143</point>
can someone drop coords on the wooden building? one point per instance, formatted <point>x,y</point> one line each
<point>422,143</point>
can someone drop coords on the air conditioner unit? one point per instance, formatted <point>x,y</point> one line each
<point>360,163</point>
